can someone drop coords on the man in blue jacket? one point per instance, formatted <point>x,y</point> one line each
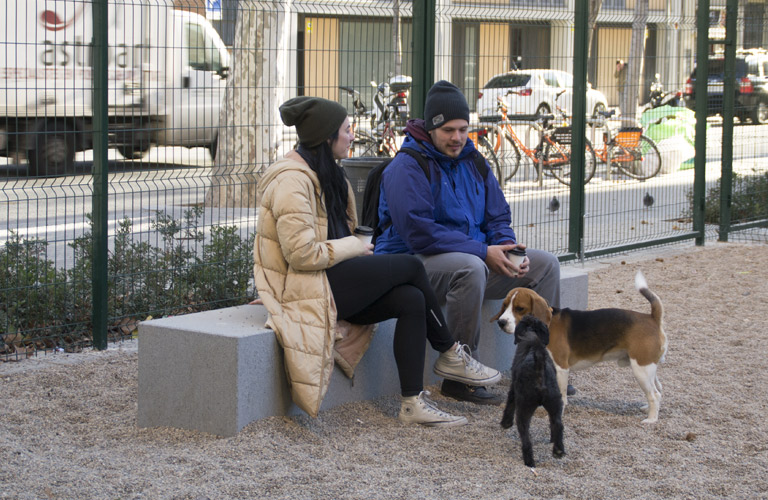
<point>458,223</point>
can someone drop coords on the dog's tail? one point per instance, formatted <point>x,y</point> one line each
<point>657,310</point>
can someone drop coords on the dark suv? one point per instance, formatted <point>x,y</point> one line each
<point>751,70</point>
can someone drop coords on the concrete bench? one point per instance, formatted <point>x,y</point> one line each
<point>217,371</point>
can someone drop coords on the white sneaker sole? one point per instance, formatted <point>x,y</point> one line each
<point>439,423</point>
<point>469,381</point>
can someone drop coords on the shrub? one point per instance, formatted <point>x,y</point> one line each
<point>33,294</point>
<point>42,307</point>
<point>749,199</point>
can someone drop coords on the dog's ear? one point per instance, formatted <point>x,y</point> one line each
<point>542,310</point>
<point>527,322</point>
<point>542,331</point>
<point>504,306</point>
<point>498,314</point>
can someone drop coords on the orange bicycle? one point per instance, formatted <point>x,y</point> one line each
<point>552,154</point>
<point>482,142</point>
<point>628,151</point>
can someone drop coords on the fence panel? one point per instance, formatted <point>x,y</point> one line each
<point>193,120</point>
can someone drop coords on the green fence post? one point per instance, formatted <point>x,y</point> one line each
<point>729,96</point>
<point>700,161</point>
<point>100,186</point>
<point>423,54</point>
<point>579,128</point>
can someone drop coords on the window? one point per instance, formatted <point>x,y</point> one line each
<point>550,79</point>
<point>752,68</point>
<point>466,39</point>
<point>203,54</point>
<point>367,54</point>
<point>504,81</point>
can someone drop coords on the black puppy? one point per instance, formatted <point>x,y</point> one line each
<point>534,384</point>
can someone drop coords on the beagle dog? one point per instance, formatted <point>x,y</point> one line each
<point>580,339</point>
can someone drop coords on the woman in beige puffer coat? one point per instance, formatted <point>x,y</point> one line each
<point>323,287</point>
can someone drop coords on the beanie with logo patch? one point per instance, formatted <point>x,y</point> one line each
<point>445,102</point>
<point>316,119</point>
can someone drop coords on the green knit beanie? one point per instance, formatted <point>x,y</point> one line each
<point>316,119</point>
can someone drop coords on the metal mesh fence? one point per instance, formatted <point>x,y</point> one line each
<point>193,90</point>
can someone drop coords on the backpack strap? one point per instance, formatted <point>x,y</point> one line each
<point>480,164</point>
<point>420,158</point>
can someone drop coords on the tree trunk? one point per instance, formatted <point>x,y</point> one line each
<point>634,85</point>
<point>248,130</point>
<point>594,11</point>
<point>397,38</point>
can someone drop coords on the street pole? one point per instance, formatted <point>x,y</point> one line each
<point>100,200</point>
<point>700,161</point>
<point>579,128</point>
<point>729,98</point>
<point>423,54</point>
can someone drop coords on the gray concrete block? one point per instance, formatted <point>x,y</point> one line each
<point>217,371</point>
<point>574,287</point>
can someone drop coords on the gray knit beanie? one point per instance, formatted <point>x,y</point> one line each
<point>316,119</point>
<point>445,102</point>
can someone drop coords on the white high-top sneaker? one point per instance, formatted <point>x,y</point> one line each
<point>457,364</point>
<point>421,410</point>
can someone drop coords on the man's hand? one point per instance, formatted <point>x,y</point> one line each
<point>497,261</point>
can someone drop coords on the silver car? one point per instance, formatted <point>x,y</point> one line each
<point>534,93</point>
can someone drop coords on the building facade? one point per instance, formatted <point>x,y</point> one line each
<point>353,43</point>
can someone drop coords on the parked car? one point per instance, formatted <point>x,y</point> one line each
<point>535,91</point>
<point>751,73</point>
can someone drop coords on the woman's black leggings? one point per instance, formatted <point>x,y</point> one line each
<point>378,287</point>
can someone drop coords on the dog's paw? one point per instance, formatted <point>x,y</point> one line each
<point>557,452</point>
<point>506,423</point>
<point>650,420</point>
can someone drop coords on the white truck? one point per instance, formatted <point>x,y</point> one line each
<point>166,79</point>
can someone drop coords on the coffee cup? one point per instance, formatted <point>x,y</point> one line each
<point>364,233</point>
<point>516,256</point>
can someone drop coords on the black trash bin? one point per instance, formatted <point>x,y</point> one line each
<point>357,170</point>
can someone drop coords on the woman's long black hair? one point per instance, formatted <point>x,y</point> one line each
<point>333,184</point>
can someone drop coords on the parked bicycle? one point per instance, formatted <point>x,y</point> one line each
<point>626,150</point>
<point>552,154</point>
<point>482,142</point>
<point>360,115</point>
<point>391,101</point>
<point>382,140</point>
<point>368,142</point>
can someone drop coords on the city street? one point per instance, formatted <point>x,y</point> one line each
<point>620,211</point>
<point>174,179</point>
<point>170,180</point>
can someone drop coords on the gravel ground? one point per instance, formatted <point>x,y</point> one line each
<point>68,421</point>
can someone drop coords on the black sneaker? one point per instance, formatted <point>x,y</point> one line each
<point>571,390</point>
<point>472,393</point>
